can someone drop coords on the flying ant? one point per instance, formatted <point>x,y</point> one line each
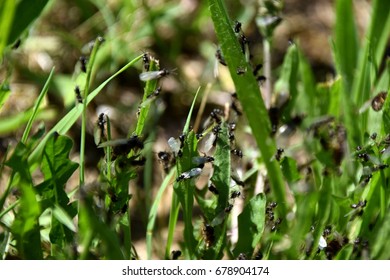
<point>176,146</point>
<point>237,152</point>
<point>208,235</point>
<point>99,129</point>
<point>146,61</point>
<point>378,101</point>
<point>240,70</point>
<point>237,26</point>
<point>175,254</point>
<point>213,189</point>
<point>279,153</point>
<point>194,172</point>
<point>200,161</point>
<point>220,58</point>
<point>244,43</point>
<point>78,94</point>
<point>257,69</point>
<point>235,104</point>
<point>83,61</point>
<point>216,115</point>
<point>235,194</point>
<point>153,75</point>
<point>165,159</point>
<point>123,146</point>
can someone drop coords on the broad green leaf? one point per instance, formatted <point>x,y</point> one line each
<point>57,169</point>
<point>290,169</point>
<point>251,224</point>
<point>25,228</point>
<point>26,13</point>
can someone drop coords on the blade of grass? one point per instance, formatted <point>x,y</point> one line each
<point>153,213</point>
<point>150,87</point>
<point>221,179</point>
<point>8,8</point>
<point>91,62</point>
<point>249,95</point>
<point>173,214</point>
<point>346,50</point>
<point>185,188</point>
<point>36,107</point>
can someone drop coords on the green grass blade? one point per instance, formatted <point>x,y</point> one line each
<point>7,9</point>
<point>153,213</point>
<point>91,63</point>
<point>287,83</point>
<point>345,51</point>
<point>221,179</point>
<point>150,87</point>
<point>346,41</point>
<point>185,188</point>
<point>249,95</point>
<point>67,121</point>
<point>27,12</point>
<point>173,215</point>
<point>306,100</point>
<point>36,107</point>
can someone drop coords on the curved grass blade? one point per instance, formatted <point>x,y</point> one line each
<point>150,87</point>
<point>153,213</point>
<point>36,107</point>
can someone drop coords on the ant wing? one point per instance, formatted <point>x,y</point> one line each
<point>116,142</point>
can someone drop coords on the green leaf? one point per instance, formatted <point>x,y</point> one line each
<point>7,12</point>
<point>221,179</point>
<point>153,213</point>
<point>27,12</point>
<point>36,107</point>
<point>185,189</point>
<point>287,83</point>
<point>57,169</point>
<point>346,41</point>
<point>290,169</point>
<point>251,224</point>
<point>25,227</point>
<point>381,247</point>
